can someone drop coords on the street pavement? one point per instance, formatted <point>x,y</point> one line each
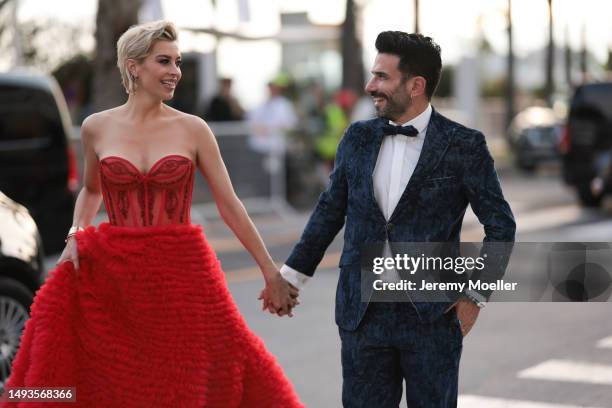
<point>523,355</point>
<point>519,355</point>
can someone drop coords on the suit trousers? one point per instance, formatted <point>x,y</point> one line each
<point>391,346</point>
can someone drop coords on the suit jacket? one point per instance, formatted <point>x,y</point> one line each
<point>455,168</point>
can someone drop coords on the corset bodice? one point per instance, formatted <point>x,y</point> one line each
<point>161,196</point>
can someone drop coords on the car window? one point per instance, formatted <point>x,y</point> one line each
<point>542,135</point>
<point>595,96</point>
<point>29,119</point>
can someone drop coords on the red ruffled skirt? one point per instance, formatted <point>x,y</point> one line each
<point>148,321</point>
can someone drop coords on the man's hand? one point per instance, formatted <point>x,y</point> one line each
<point>467,313</point>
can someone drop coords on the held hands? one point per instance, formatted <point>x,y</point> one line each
<point>279,296</point>
<point>467,313</point>
<point>70,254</point>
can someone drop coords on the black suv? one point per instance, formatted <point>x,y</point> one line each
<point>21,274</point>
<point>586,146</point>
<point>38,166</point>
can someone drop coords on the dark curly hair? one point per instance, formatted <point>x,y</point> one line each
<point>419,55</point>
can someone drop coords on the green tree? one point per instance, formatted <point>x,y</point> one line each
<point>549,87</point>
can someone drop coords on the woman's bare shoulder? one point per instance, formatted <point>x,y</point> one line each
<point>191,122</point>
<point>94,123</point>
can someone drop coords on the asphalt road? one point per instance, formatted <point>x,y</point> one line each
<point>523,355</point>
<point>519,355</point>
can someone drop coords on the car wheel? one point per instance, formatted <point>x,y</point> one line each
<point>527,167</point>
<point>586,196</point>
<point>15,301</point>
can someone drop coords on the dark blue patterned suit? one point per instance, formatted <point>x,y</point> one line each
<point>383,343</point>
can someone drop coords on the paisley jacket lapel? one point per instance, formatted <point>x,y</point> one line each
<point>372,148</point>
<point>437,140</point>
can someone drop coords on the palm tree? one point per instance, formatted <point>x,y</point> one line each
<point>568,59</point>
<point>112,19</point>
<point>583,56</point>
<point>11,26</point>
<point>352,51</point>
<point>549,87</point>
<point>509,70</point>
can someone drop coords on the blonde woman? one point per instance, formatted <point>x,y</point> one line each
<point>137,313</point>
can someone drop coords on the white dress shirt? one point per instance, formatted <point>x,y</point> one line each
<point>269,123</point>
<point>397,159</point>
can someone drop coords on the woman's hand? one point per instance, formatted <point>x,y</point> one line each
<point>279,296</point>
<point>70,253</point>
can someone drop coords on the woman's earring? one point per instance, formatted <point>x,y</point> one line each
<point>134,78</point>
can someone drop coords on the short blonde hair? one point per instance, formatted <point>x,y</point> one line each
<point>136,43</point>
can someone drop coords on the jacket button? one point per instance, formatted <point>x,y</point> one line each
<point>389,226</point>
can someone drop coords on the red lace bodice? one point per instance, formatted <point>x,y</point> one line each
<point>161,196</point>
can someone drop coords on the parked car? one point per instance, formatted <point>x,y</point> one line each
<point>534,136</point>
<point>586,145</point>
<point>21,274</point>
<point>38,166</point>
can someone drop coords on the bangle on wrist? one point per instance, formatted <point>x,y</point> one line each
<point>72,232</point>
<point>74,229</point>
<point>475,297</point>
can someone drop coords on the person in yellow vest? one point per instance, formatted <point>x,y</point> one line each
<point>337,116</point>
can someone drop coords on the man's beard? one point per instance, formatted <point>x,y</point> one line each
<point>395,105</point>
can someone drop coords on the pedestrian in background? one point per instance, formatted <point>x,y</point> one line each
<point>224,107</point>
<point>269,125</point>
<point>336,114</point>
<point>270,122</point>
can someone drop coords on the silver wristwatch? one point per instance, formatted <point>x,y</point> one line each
<point>475,297</point>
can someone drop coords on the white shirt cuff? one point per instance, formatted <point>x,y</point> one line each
<point>294,277</point>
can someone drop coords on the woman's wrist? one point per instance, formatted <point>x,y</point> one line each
<point>72,232</point>
<point>270,272</point>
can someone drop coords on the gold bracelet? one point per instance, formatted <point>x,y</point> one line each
<point>74,229</point>
<point>72,232</point>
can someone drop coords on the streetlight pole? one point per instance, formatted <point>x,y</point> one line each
<point>509,70</point>
<point>568,59</point>
<point>583,55</point>
<point>549,87</point>
<point>417,29</point>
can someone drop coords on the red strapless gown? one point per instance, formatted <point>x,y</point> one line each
<point>148,320</point>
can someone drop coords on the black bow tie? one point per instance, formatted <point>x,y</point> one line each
<point>389,130</point>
